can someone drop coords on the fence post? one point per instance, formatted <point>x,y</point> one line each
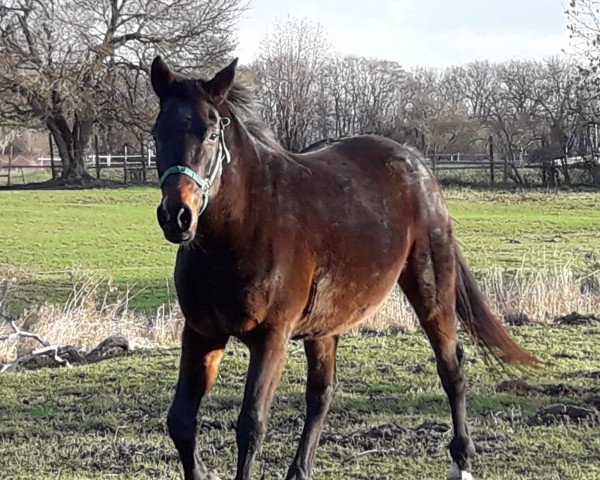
<point>10,159</point>
<point>125,171</point>
<point>521,157</point>
<point>97,156</point>
<point>491,148</point>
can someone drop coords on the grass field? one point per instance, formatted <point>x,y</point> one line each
<point>49,236</point>
<point>389,419</point>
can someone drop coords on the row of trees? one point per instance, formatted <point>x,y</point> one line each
<point>543,107</point>
<point>76,67</point>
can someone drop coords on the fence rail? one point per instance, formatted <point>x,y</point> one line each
<point>136,167</point>
<point>105,161</point>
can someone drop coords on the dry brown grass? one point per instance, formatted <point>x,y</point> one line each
<point>93,312</point>
<point>542,295</point>
<point>89,316</point>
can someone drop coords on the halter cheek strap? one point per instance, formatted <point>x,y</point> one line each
<point>205,184</point>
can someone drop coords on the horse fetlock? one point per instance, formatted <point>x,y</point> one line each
<point>455,473</point>
<point>461,451</point>
<point>298,473</point>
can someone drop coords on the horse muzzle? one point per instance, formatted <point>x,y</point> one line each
<point>177,222</point>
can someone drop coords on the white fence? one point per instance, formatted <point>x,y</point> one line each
<point>106,161</point>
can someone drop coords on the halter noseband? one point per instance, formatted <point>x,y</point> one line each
<point>205,184</point>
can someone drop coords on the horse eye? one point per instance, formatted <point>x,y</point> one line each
<point>213,136</point>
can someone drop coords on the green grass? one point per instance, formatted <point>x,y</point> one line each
<point>530,230</point>
<point>111,234</point>
<point>48,235</point>
<point>107,420</point>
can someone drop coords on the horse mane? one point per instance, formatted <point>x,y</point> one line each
<point>242,103</point>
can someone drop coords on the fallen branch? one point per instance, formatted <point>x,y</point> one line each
<point>53,355</point>
<point>17,331</point>
<point>67,356</point>
<point>54,350</point>
<point>22,333</point>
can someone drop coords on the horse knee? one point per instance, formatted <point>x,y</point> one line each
<point>250,429</point>
<point>321,395</point>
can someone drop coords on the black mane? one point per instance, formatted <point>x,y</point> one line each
<point>242,103</point>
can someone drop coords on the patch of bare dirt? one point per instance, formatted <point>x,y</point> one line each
<point>522,388</point>
<point>119,457</point>
<point>593,374</point>
<point>431,436</point>
<point>577,319</point>
<point>515,387</point>
<point>518,319</point>
<point>75,184</point>
<point>560,414</point>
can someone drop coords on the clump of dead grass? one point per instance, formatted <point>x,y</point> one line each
<point>93,312</point>
<point>540,296</point>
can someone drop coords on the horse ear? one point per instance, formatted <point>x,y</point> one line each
<point>220,84</point>
<point>162,78</point>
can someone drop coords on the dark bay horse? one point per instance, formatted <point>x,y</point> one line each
<point>278,246</point>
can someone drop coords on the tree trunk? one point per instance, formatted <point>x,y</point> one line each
<point>595,172</point>
<point>72,145</point>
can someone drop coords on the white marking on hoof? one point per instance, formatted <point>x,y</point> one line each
<point>456,474</point>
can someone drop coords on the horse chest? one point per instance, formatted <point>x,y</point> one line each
<point>216,299</point>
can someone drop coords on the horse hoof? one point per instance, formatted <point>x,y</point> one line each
<point>456,474</point>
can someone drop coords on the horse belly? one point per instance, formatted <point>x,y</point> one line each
<point>337,306</point>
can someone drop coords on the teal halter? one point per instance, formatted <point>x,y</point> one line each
<point>176,169</point>
<point>205,184</point>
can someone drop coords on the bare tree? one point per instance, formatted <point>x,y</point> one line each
<point>364,93</point>
<point>69,64</point>
<point>583,22</point>
<point>434,111</point>
<point>291,60</point>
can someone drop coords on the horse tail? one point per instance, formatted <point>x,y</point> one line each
<point>486,328</point>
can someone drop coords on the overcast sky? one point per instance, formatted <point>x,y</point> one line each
<point>421,32</point>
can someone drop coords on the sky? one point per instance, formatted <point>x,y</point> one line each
<point>420,32</point>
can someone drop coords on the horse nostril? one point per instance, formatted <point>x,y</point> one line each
<point>184,219</point>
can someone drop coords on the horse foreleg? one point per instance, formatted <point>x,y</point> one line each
<point>267,358</point>
<point>320,386</point>
<point>200,358</point>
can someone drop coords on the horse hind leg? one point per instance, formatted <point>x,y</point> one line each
<point>428,282</point>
